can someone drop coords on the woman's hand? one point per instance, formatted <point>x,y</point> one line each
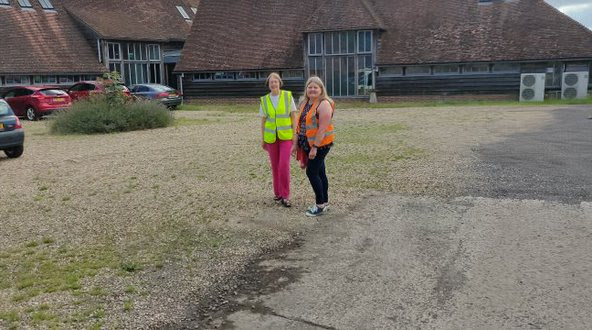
<point>313,153</point>
<point>293,151</point>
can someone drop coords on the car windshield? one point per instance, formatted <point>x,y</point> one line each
<point>4,109</point>
<point>161,88</point>
<point>52,92</point>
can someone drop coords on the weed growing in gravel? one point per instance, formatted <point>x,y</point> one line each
<point>10,316</point>
<point>128,305</point>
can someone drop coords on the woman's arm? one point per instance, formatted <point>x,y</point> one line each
<point>263,119</point>
<point>324,112</point>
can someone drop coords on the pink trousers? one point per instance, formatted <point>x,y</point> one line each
<point>279,155</point>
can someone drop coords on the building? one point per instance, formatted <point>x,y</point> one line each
<point>393,47</point>
<point>140,39</point>
<point>41,44</point>
<point>64,41</point>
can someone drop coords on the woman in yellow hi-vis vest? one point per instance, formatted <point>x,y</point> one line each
<point>278,119</point>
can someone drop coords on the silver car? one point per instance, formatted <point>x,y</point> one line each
<point>12,134</point>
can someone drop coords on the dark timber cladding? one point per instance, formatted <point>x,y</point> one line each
<point>254,88</point>
<point>394,47</point>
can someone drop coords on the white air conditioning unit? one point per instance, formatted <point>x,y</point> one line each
<point>532,87</point>
<point>574,85</point>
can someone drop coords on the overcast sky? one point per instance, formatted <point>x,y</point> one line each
<point>579,10</point>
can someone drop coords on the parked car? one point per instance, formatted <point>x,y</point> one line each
<point>85,89</point>
<point>166,95</point>
<point>12,135</point>
<point>35,102</point>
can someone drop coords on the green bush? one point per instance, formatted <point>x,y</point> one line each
<point>100,114</point>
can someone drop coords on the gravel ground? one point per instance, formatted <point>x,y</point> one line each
<point>176,213</point>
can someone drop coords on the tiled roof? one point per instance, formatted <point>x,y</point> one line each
<point>426,31</point>
<point>34,41</point>
<point>246,34</point>
<point>268,34</point>
<point>335,15</point>
<point>154,20</point>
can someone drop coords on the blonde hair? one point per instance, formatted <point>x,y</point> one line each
<point>316,80</point>
<point>276,76</point>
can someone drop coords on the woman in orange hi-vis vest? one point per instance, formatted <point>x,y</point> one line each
<point>315,139</point>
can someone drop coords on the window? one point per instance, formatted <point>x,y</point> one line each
<point>46,4</point>
<point>19,92</point>
<point>575,67</point>
<point>4,2</point>
<point>17,80</point>
<point>202,76</point>
<point>391,71</point>
<point>505,67</point>
<point>264,74</point>
<point>315,65</point>
<point>183,12</point>
<point>422,70</point>
<point>315,44</point>
<point>293,74</point>
<point>246,75</point>
<point>41,80</point>
<point>25,3</point>
<point>115,67</point>
<point>136,73</point>
<point>446,69</point>
<point>155,73</point>
<point>553,74</point>
<point>224,75</point>
<point>154,52</point>
<point>82,87</point>
<point>4,109</point>
<point>364,41</point>
<point>194,10</point>
<point>338,43</point>
<point>136,52</point>
<point>68,79</point>
<point>475,68</point>
<point>114,51</point>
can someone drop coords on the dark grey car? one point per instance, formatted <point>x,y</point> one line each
<point>12,134</point>
<point>166,95</point>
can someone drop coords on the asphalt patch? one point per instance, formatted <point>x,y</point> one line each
<point>552,164</point>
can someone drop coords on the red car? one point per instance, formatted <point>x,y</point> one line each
<point>84,89</point>
<point>35,102</point>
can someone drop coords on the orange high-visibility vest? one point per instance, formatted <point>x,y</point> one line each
<point>312,125</point>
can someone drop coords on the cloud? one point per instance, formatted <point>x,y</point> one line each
<point>579,10</point>
<point>575,9</point>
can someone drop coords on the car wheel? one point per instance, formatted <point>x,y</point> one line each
<point>31,114</point>
<point>14,152</point>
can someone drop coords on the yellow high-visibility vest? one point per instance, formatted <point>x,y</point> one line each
<point>279,122</point>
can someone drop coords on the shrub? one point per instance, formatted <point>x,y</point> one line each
<point>100,114</point>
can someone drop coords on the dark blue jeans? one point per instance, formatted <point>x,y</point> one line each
<point>315,170</point>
